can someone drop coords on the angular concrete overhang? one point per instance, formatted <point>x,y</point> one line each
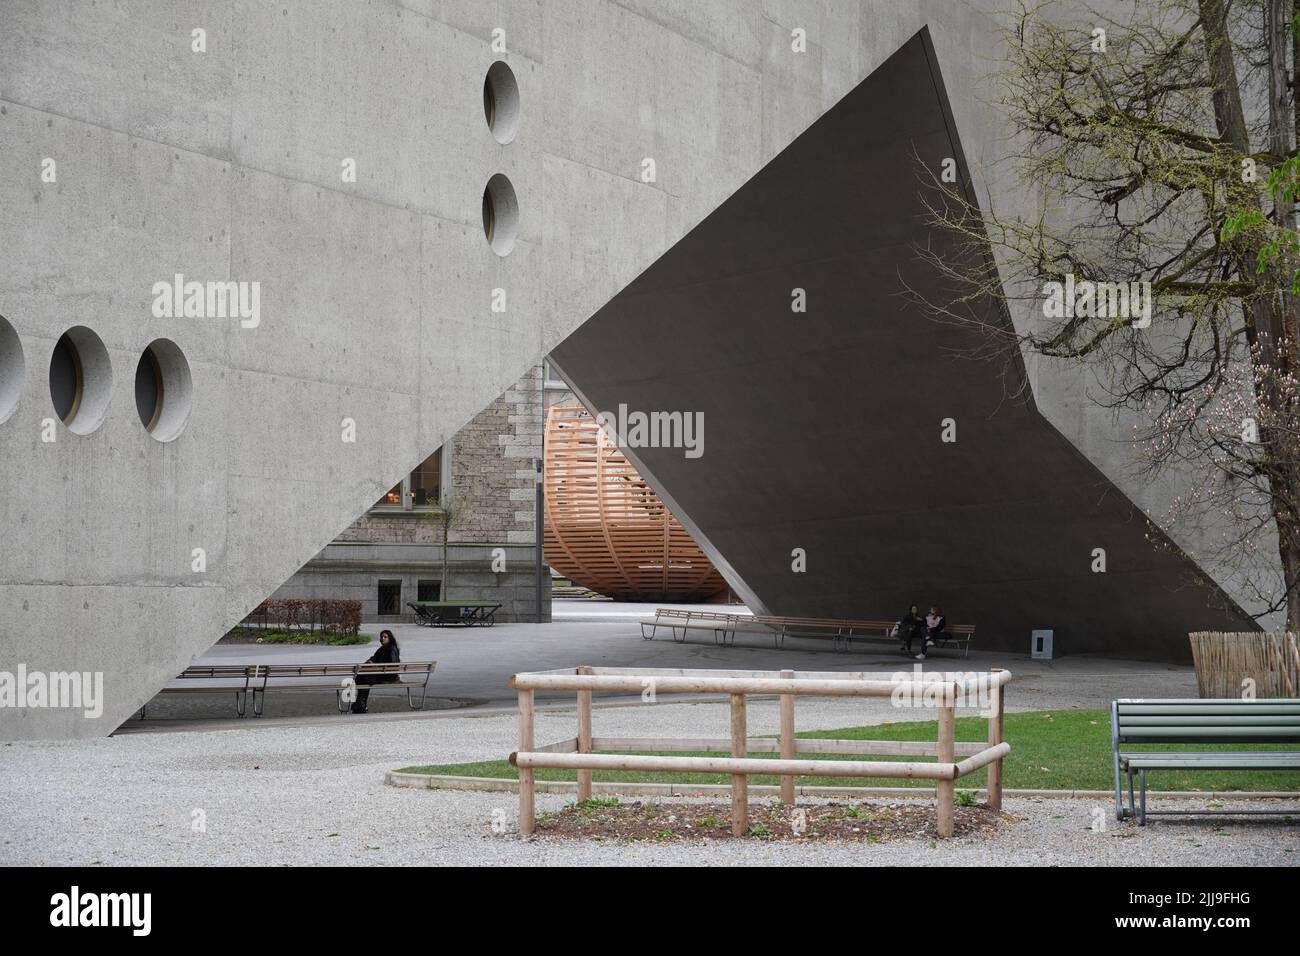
<point>823,429</point>
<point>224,164</point>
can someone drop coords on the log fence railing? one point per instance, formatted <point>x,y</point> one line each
<point>586,753</point>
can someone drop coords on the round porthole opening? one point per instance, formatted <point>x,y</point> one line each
<point>12,368</point>
<point>163,390</point>
<point>81,380</point>
<point>501,102</point>
<point>500,215</point>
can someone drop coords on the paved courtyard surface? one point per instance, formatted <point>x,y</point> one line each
<point>475,665</point>
<point>285,793</point>
<point>302,789</point>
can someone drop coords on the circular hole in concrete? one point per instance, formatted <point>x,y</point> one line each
<point>81,380</point>
<point>163,390</point>
<point>501,102</point>
<point>500,215</point>
<point>12,368</point>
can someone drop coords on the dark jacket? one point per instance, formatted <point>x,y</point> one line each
<point>908,624</point>
<point>385,654</point>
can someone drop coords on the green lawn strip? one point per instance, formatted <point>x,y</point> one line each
<point>312,637</point>
<point>1050,750</point>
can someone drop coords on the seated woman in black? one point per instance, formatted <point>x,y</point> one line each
<point>909,628</point>
<point>387,653</point>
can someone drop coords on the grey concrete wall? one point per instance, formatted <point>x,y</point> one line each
<point>376,294</point>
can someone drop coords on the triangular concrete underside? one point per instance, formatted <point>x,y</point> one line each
<point>823,429</point>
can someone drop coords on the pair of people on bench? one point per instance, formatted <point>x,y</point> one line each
<point>927,630</point>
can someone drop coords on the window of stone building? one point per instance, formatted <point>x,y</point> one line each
<point>429,590</point>
<point>390,597</point>
<point>422,488</point>
<point>391,499</point>
<point>426,482</point>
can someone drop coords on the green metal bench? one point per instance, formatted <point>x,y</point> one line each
<point>1198,722</point>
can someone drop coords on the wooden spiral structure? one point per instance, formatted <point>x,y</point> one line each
<point>606,529</point>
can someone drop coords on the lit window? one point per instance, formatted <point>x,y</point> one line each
<point>426,481</point>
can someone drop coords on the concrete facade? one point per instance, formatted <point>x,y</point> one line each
<point>145,139</point>
<point>223,156</point>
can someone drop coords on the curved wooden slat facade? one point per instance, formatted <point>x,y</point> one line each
<point>606,529</point>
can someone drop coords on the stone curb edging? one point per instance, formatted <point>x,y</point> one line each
<point>433,781</point>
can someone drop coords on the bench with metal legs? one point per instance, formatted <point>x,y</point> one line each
<point>213,679</point>
<point>1198,722</point>
<point>842,633</point>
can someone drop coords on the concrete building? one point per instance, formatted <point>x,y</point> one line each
<point>392,555</point>
<point>314,241</point>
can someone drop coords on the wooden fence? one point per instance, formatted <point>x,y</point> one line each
<point>1225,660</point>
<point>586,752</point>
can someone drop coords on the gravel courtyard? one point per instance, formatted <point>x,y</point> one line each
<point>313,792</point>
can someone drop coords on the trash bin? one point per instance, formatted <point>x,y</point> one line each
<point>1040,645</point>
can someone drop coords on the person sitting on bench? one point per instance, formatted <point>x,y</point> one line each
<point>909,627</point>
<point>387,653</point>
<point>932,629</point>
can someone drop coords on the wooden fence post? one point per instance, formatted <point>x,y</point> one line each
<point>995,737</point>
<point>739,782</point>
<point>946,788</point>
<point>787,742</point>
<point>584,738</point>
<point>527,808</point>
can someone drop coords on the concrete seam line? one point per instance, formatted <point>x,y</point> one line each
<point>431,781</point>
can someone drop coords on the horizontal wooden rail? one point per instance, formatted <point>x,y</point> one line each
<point>800,687</point>
<point>734,765</point>
<point>772,745</point>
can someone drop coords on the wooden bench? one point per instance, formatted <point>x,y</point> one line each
<point>841,632</point>
<point>341,677</point>
<point>956,635</point>
<point>461,613</point>
<point>675,619</point>
<point>1194,721</point>
<point>248,681</point>
<point>212,679</point>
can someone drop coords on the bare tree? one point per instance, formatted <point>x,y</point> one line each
<point>444,517</point>
<point>1158,144</point>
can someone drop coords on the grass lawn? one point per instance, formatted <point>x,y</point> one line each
<point>1050,750</point>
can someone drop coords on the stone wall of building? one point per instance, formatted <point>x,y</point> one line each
<point>492,475</point>
<point>493,467</point>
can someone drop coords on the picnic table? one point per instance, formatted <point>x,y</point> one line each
<point>461,613</point>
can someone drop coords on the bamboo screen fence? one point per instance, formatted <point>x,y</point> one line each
<point>1254,663</point>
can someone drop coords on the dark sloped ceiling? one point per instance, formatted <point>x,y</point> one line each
<point>822,430</point>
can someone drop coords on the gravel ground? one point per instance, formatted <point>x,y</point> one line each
<point>312,792</point>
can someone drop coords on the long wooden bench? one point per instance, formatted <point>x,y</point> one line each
<point>724,628</point>
<point>408,675</point>
<point>251,681</point>
<point>1194,721</point>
